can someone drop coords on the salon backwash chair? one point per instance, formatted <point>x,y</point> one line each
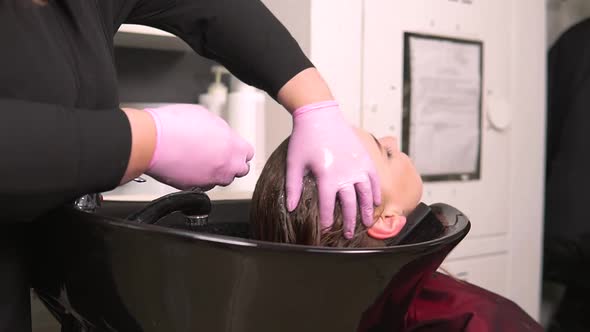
<point>182,263</point>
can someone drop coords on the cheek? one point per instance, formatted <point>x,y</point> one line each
<point>394,182</point>
<point>414,187</point>
<point>388,185</point>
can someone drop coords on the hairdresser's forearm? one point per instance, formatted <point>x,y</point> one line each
<point>143,143</point>
<point>305,88</point>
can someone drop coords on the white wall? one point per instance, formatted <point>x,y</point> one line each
<point>527,152</point>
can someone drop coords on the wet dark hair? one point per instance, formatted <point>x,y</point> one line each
<point>270,220</point>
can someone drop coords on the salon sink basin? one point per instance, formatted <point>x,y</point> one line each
<point>114,271</point>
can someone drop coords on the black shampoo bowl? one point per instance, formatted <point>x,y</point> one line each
<point>102,272</point>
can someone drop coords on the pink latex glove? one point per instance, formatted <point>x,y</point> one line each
<point>196,148</point>
<point>324,143</point>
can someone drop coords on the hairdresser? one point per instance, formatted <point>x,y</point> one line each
<point>64,135</point>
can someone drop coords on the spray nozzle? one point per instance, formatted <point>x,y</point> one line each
<point>217,86</point>
<point>218,71</point>
<point>216,96</point>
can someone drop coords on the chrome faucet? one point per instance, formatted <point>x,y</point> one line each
<point>88,203</point>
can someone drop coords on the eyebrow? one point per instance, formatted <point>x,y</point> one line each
<point>378,143</point>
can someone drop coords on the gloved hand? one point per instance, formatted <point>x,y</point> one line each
<point>196,148</point>
<point>323,142</point>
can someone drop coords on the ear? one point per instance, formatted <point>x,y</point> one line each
<point>386,227</point>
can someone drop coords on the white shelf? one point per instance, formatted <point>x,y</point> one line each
<point>214,195</point>
<point>139,36</point>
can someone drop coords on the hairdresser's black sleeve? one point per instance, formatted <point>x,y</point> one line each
<point>242,35</point>
<point>51,154</point>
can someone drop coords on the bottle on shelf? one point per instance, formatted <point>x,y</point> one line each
<point>215,99</point>
<point>245,114</point>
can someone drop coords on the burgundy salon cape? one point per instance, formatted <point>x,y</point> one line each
<point>444,304</point>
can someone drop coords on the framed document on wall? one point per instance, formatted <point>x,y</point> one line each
<point>442,106</point>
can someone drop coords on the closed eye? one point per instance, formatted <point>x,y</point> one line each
<point>379,146</point>
<point>388,150</point>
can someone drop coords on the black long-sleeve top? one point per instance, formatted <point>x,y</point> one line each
<point>62,133</point>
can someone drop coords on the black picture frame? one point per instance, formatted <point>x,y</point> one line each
<point>407,112</point>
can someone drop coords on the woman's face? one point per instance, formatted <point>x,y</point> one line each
<point>401,185</point>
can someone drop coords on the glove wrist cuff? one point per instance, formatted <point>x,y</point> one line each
<point>329,104</point>
<point>158,124</point>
